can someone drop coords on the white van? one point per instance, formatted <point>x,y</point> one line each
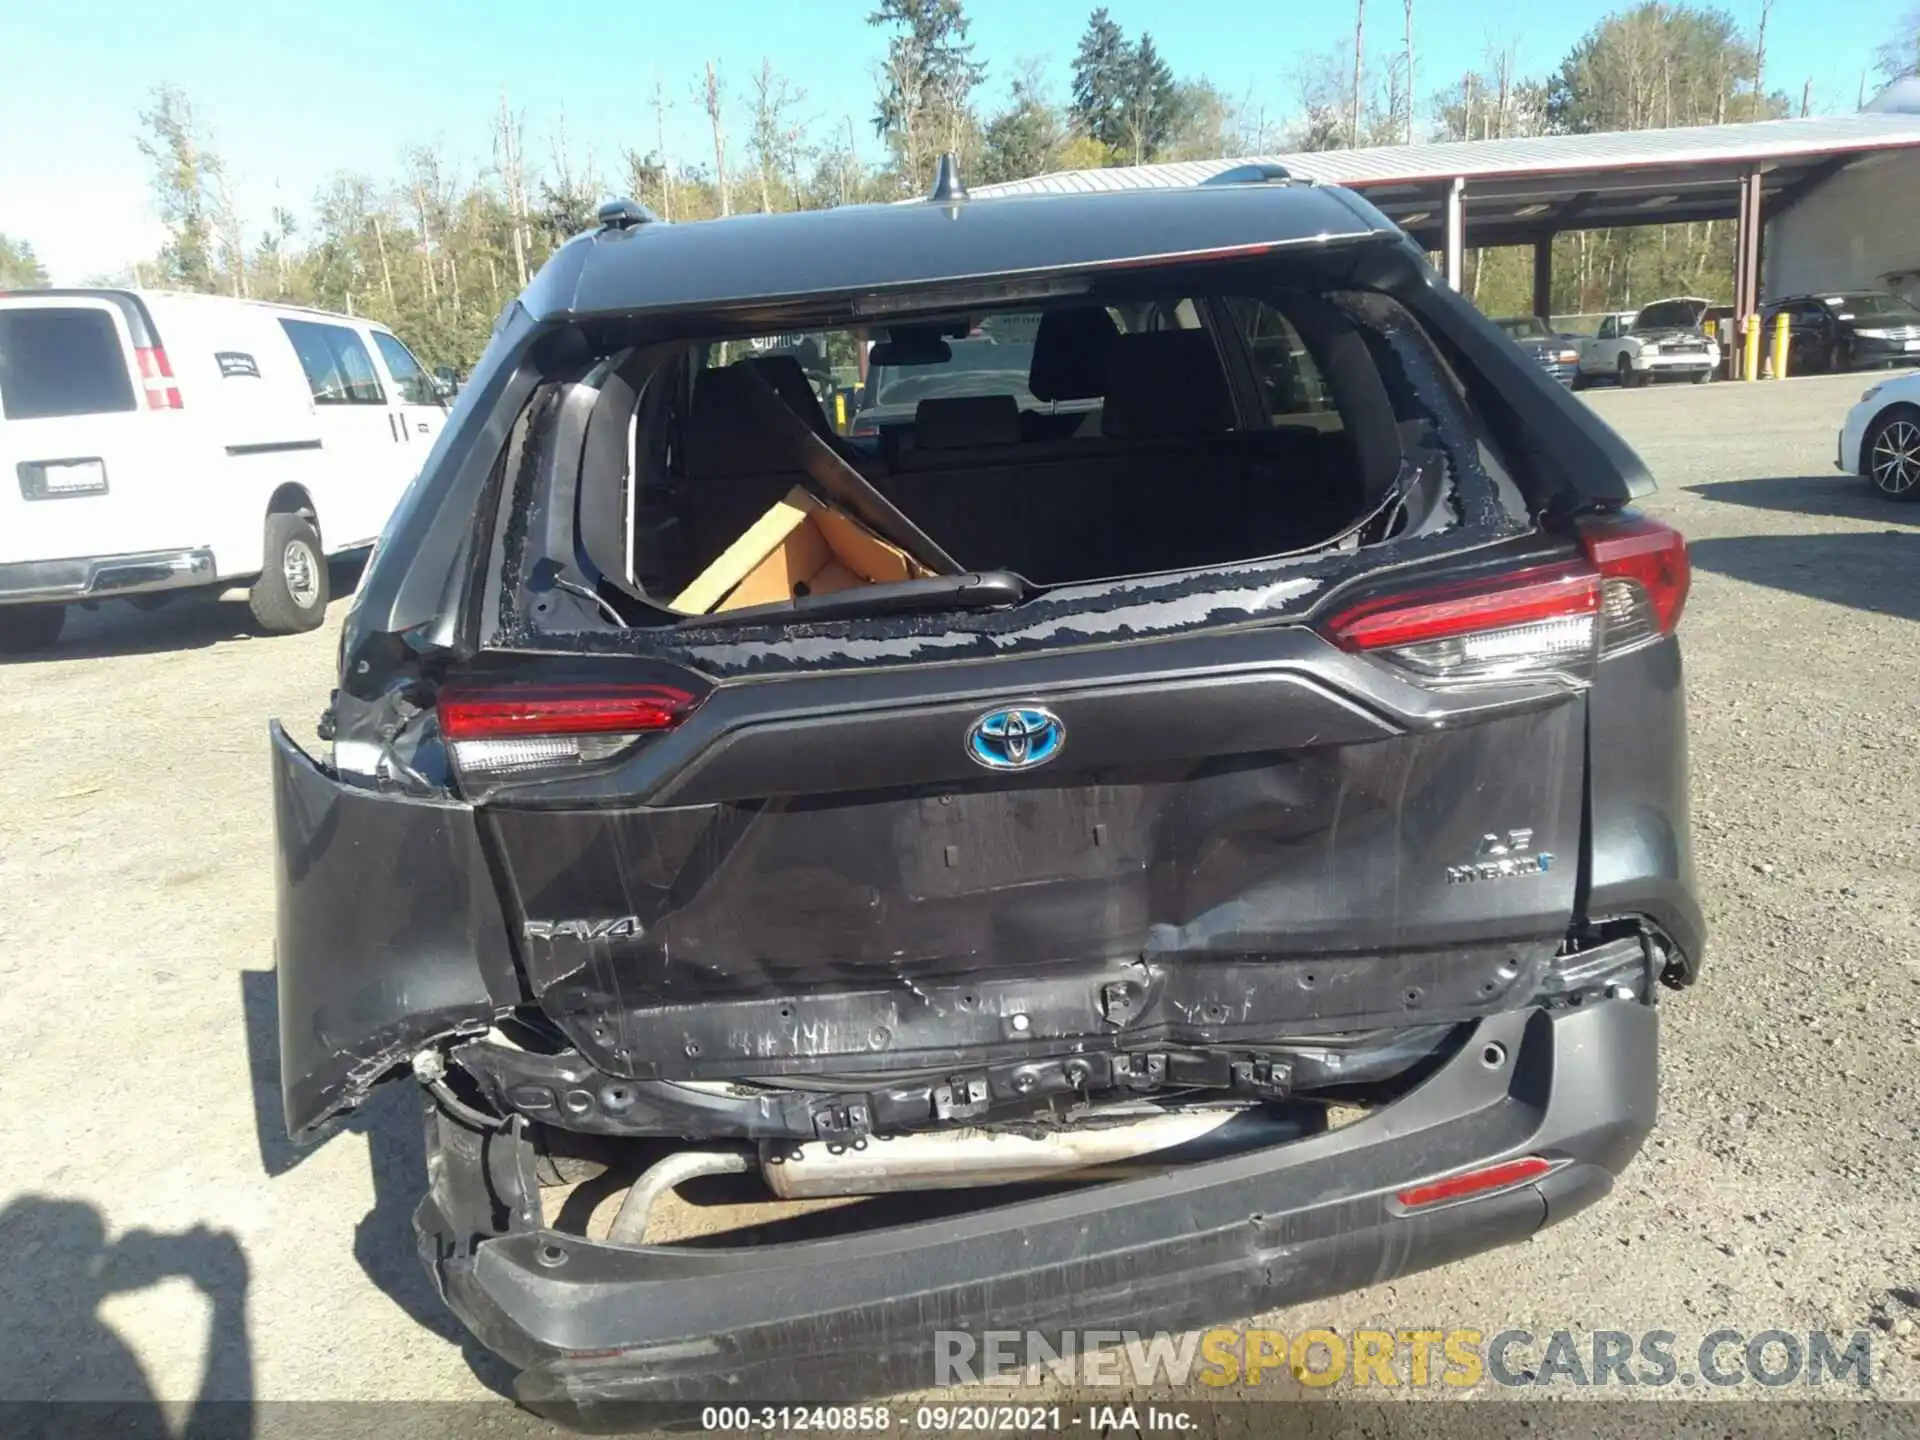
<point>154,442</point>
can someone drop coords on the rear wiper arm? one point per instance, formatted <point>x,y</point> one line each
<point>978,590</point>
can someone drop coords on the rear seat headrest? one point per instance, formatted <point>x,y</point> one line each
<point>956,422</point>
<point>1165,383</point>
<point>788,380</point>
<point>1070,353</point>
<point>723,436</point>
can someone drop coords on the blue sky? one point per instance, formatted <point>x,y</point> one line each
<point>292,94</point>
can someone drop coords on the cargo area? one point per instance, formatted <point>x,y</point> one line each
<point>1130,428</point>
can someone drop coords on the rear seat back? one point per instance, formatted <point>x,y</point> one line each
<point>1165,383</point>
<point>1085,508</point>
<point>966,422</point>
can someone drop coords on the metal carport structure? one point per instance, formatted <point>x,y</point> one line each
<point>1452,194</point>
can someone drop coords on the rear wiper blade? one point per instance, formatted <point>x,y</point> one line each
<point>978,590</point>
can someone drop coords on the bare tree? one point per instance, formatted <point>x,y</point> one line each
<point>900,77</point>
<point>1760,58</point>
<point>1359,70</point>
<point>1408,5</point>
<point>777,134</point>
<point>509,158</point>
<point>386,270</point>
<point>427,190</point>
<point>666,160</point>
<point>232,230</point>
<point>712,96</point>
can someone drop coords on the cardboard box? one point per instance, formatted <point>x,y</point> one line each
<point>801,546</point>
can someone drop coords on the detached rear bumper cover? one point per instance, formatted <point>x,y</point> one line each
<point>596,1324</point>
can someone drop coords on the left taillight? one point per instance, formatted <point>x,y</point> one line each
<point>498,730</point>
<point>1627,588</point>
<point>156,376</point>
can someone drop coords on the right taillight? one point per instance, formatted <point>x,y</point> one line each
<point>1547,620</point>
<point>501,730</point>
<point>1644,575</point>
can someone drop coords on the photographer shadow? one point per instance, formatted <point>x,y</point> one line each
<point>64,1371</point>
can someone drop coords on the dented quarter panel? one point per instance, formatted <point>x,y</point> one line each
<point>390,933</point>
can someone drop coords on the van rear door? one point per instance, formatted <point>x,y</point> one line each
<point>94,433</point>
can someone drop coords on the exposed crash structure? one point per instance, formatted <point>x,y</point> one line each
<point>1223,682</point>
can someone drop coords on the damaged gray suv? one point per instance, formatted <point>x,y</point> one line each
<point>1186,816</point>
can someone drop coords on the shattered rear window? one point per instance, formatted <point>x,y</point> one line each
<point>1099,440</point>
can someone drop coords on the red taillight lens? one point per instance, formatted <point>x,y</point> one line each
<point>501,729</point>
<point>1546,593</point>
<point>1632,548</point>
<point>514,711</point>
<point>155,371</point>
<point>1546,620</point>
<point>1475,1182</point>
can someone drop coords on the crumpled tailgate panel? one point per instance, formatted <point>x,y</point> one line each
<point>390,932</point>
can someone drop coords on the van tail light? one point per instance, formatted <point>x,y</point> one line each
<point>156,374</point>
<point>501,730</point>
<point>1627,589</point>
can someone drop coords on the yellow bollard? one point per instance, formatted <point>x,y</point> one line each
<point>1780,346</point>
<point>1750,348</point>
<point>840,412</point>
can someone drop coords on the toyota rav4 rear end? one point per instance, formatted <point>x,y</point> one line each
<point>1200,811</point>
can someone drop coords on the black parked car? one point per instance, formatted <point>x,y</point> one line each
<point>1557,354</point>
<point>990,823</point>
<point>1849,331</point>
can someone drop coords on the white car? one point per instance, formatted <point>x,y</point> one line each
<point>153,442</point>
<point>1881,438</point>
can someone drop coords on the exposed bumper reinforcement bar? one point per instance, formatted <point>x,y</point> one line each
<point>596,1326</point>
<point>101,577</point>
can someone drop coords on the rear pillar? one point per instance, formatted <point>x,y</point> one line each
<point>1543,275</point>
<point>1746,265</point>
<point>1454,254</point>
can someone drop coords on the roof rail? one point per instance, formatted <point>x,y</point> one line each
<point>947,186</point>
<point>1259,173</point>
<point>625,214</point>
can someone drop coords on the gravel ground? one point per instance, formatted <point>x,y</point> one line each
<point>161,1238</point>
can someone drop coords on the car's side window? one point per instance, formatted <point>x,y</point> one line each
<point>414,386</point>
<point>1606,330</point>
<point>338,368</point>
<point>1289,380</point>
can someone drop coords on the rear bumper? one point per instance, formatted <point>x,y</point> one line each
<point>595,1326</point>
<point>1866,351</point>
<point>98,577</point>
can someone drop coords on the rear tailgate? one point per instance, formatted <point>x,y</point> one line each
<point>93,452</point>
<point>1232,836</point>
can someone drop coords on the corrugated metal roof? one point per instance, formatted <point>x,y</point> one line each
<point>1534,155</point>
